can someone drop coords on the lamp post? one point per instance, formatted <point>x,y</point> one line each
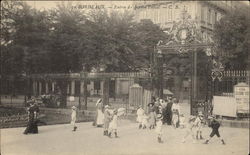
<point>106,80</point>
<point>160,73</point>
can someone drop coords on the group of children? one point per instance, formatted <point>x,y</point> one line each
<point>193,125</point>
<point>142,119</point>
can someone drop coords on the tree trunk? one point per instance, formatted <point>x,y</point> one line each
<point>85,93</point>
<point>106,91</point>
<point>63,92</point>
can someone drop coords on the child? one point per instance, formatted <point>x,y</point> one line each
<point>189,130</point>
<point>73,118</point>
<point>199,122</point>
<point>182,121</point>
<point>113,125</point>
<point>144,121</point>
<point>215,125</point>
<point>140,113</point>
<point>158,128</point>
<point>107,118</point>
<point>175,113</point>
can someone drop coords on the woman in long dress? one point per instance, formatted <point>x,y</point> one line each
<point>32,116</point>
<point>100,115</point>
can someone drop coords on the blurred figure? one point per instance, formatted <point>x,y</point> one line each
<point>182,121</point>
<point>159,123</point>
<point>199,123</point>
<point>175,113</point>
<point>100,115</point>
<point>107,119</point>
<point>144,121</point>
<point>113,125</point>
<point>151,116</point>
<point>32,118</point>
<point>168,111</point>
<point>189,129</point>
<point>215,125</point>
<point>140,114</point>
<point>73,118</point>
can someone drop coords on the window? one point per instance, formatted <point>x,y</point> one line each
<point>97,85</point>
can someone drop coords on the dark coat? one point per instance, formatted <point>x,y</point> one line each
<point>168,113</point>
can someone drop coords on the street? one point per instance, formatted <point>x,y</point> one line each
<point>59,139</point>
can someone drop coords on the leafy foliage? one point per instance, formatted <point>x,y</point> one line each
<point>232,35</point>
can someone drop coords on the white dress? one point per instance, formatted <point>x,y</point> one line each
<point>175,113</point>
<point>158,128</point>
<point>73,117</point>
<point>100,117</point>
<point>113,123</point>
<point>140,113</point>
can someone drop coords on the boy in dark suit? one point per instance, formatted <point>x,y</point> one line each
<point>215,125</point>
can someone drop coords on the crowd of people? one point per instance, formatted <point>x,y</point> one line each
<point>159,112</point>
<point>169,112</point>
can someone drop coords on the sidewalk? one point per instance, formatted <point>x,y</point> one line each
<point>89,140</point>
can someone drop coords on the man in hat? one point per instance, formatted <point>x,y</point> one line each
<point>107,119</point>
<point>199,122</point>
<point>73,118</point>
<point>215,125</point>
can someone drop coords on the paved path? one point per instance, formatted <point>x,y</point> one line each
<point>59,139</point>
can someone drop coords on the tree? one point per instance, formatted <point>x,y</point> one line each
<point>232,35</point>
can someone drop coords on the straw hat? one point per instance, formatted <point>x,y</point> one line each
<point>159,116</point>
<point>211,117</point>
<point>106,106</point>
<point>73,107</point>
<point>200,113</point>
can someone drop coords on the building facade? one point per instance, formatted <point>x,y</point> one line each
<point>165,13</point>
<point>204,13</point>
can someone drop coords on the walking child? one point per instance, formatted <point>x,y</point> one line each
<point>199,123</point>
<point>113,125</point>
<point>144,121</point>
<point>175,113</point>
<point>189,129</point>
<point>182,121</point>
<point>107,119</point>
<point>140,113</point>
<point>215,125</point>
<point>73,118</point>
<point>158,129</point>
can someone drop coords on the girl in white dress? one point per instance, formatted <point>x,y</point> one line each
<point>140,113</point>
<point>73,118</point>
<point>159,123</point>
<point>113,125</point>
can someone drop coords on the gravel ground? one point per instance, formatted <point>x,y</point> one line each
<point>88,140</point>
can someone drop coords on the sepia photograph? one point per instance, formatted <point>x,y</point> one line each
<point>124,77</point>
